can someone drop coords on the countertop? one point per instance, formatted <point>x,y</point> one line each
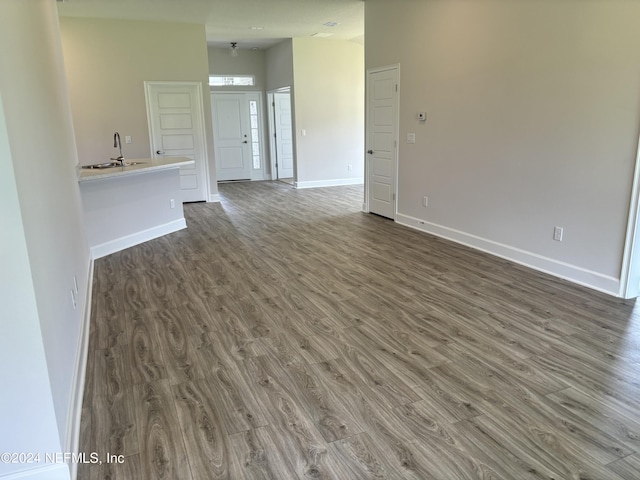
<point>146,165</point>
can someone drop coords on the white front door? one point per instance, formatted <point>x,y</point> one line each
<point>284,134</point>
<point>176,129</point>
<point>382,134</point>
<point>231,136</point>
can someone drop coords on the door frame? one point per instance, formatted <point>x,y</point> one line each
<point>199,114</point>
<point>367,141</point>
<point>272,130</point>
<point>629,286</point>
<point>255,173</point>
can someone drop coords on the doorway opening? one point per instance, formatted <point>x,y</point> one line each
<point>281,138</point>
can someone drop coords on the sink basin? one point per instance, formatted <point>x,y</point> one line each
<point>112,164</point>
<point>102,165</point>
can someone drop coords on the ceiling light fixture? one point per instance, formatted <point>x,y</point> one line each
<point>331,24</point>
<point>234,49</point>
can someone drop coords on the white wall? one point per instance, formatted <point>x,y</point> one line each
<point>279,65</point>
<point>532,122</point>
<point>328,100</point>
<point>26,404</point>
<point>123,211</point>
<point>45,243</point>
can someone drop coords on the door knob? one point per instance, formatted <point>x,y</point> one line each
<point>159,152</point>
<point>245,142</point>
<point>370,152</point>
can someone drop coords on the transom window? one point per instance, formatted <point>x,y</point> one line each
<point>232,80</point>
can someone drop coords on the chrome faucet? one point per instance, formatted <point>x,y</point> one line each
<point>117,143</point>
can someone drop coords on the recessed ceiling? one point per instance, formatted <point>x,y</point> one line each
<point>251,23</point>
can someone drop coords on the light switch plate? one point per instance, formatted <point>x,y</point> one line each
<point>411,138</point>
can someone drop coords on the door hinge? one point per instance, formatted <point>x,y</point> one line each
<point>393,196</point>
<point>396,87</point>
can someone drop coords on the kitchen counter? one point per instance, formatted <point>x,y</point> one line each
<point>142,165</point>
<point>125,206</point>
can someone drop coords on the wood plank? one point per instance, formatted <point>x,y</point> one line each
<point>144,351</point>
<point>210,452</point>
<point>259,457</point>
<point>627,467</point>
<point>294,433</point>
<point>162,452</point>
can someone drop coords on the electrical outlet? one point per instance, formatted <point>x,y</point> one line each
<point>349,167</point>
<point>425,201</point>
<point>127,139</point>
<point>172,203</point>
<point>411,138</point>
<point>558,233</point>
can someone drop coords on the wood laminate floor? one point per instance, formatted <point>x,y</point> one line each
<point>287,335</point>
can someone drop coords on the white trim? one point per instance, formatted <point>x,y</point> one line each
<point>272,130</point>
<point>137,238</point>
<point>59,471</point>
<point>72,442</point>
<point>214,197</point>
<point>573,273</point>
<point>330,183</point>
<point>629,256</point>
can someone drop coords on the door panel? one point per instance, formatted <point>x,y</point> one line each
<point>231,129</point>
<point>178,142</point>
<point>382,133</point>
<point>284,134</point>
<point>177,130</point>
<point>177,121</point>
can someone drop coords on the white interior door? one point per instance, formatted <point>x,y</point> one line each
<point>231,136</point>
<point>176,129</point>
<point>382,134</point>
<point>284,134</point>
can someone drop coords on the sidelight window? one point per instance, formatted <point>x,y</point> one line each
<point>255,137</point>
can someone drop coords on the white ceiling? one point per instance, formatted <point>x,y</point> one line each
<point>232,20</point>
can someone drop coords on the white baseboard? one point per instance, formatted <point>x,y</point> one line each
<point>214,197</point>
<point>58,471</point>
<point>573,273</point>
<point>330,183</point>
<point>137,238</point>
<point>72,441</point>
